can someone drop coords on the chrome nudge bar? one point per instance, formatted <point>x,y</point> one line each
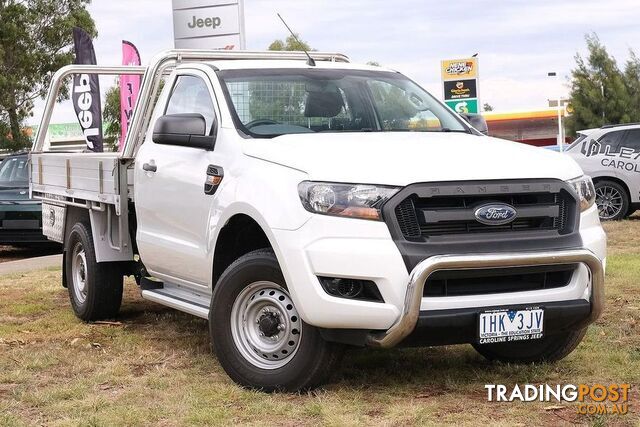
<point>406,323</point>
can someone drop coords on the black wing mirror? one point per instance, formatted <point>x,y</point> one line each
<point>186,130</point>
<point>478,122</point>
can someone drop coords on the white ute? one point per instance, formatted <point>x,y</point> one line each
<point>303,209</point>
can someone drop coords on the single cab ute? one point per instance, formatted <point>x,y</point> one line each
<point>303,209</point>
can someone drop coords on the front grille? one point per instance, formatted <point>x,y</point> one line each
<point>448,283</point>
<point>430,214</point>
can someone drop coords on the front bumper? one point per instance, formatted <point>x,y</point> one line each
<point>408,319</point>
<point>21,222</point>
<point>460,326</point>
<point>342,247</point>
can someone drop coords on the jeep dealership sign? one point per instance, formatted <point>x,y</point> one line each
<point>208,24</point>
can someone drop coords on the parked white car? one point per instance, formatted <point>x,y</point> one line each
<point>305,208</point>
<point>611,156</point>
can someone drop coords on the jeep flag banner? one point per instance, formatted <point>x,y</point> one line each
<point>129,88</point>
<point>86,92</point>
<point>208,24</point>
<point>460,84</point>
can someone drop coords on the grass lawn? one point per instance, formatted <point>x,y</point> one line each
<point>154,366</point>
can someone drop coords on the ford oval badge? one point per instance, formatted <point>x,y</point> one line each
<point>496,214</point>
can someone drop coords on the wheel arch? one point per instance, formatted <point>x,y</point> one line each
<point>616,180</point>
<point>244,230</point>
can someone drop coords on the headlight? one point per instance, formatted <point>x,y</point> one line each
<point>351,200</point>
<point>586,191</point>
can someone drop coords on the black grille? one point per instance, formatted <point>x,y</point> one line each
<point>497,280</point>
<point>450,214</point>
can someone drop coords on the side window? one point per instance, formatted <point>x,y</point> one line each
<point>611,139</point>
<point>191,95</point>
<point>632,140</point>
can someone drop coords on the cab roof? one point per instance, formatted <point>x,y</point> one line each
<point>243,64</point>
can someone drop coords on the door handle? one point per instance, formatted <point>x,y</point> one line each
<point>149,167</point>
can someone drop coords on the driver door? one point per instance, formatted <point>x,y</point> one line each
<point>172,208</point>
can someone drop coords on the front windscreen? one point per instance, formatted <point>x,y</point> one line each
<point>14,172</point>
<point>272,102</point>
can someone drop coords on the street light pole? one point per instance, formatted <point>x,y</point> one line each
<point>559,139</point>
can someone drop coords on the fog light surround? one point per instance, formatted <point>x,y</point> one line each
<point>354,289</point>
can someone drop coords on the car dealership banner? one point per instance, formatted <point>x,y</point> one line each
<point>129,88</point>
<point>460,84</point>
<point>208,24</point>
<point>86,92</point>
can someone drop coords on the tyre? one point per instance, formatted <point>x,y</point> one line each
<point>257,333</point>
<point>612,200</point>
<point>548,349</point>
<point>95,289</point>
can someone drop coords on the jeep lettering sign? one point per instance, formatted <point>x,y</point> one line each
<point>208,24</point>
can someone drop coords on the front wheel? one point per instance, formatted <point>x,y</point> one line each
<point>257,333</point>
<point>548,349</point>
<point>612,200</point>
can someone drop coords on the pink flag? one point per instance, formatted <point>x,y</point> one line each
<point>129,87</point>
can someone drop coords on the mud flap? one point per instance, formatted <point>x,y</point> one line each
<point>64,269</point>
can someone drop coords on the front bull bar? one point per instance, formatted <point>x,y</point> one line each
<point>406,323</point>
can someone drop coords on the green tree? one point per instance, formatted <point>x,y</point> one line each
<point>111,117</point>
<point>35,40</point>
<point>632,81</point>
<point>290,43</point>
<point>598,94</point>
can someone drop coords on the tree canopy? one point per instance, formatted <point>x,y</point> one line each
<point>290,43</point>
<point>36,38</point>
<point>601,93</point>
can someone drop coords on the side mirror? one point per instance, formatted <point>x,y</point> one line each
<point>477,121</point>
<point>186,130</point>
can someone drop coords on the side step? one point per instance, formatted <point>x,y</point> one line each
<point>180,298</point>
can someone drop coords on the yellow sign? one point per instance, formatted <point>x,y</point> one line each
<point>459,68</point>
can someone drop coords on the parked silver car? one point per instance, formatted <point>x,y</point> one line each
<point>611,156</point>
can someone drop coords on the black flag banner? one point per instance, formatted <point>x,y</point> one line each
<point>86,92</point>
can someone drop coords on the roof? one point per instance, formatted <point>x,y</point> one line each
<point>236,64</point>
<point>551,113</point>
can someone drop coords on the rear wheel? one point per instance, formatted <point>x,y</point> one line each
<point>257,333</point>
<point>548,349</point>
<point>612,200</point>
<point>95,289</point>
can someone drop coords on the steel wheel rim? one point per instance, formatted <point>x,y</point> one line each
<point>79,273</point>
<point>258,311</point>
<point>609,202</point>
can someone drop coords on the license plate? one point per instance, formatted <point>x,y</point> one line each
<point>510,325</point>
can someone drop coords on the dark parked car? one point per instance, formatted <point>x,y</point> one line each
<point>20,217</point>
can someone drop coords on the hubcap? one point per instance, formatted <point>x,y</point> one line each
<point>609,201</point>
<point>79,273</point>
<point>265,326</point>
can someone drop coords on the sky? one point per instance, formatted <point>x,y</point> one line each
<point>518,41</point>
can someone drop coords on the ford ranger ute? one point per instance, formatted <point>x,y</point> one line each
<point>304,208</point>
